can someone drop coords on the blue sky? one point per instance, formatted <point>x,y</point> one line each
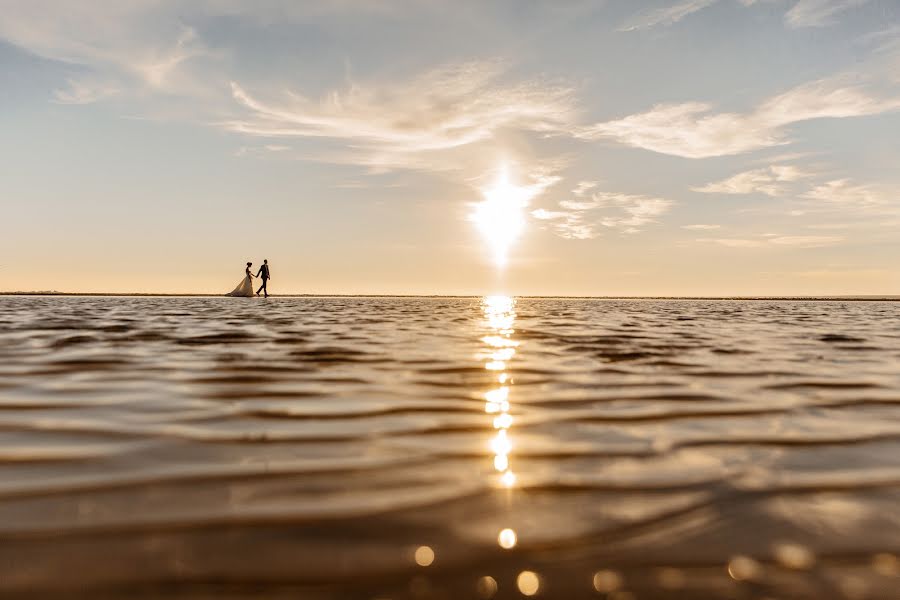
<point>680,147</point>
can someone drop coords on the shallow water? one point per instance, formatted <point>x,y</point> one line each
<point>321,447</point>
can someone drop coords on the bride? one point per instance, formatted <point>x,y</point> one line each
<point>245,287</point>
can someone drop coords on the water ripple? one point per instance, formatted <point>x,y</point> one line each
<point>702,449</point>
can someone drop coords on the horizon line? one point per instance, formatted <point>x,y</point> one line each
<point>844,297</point>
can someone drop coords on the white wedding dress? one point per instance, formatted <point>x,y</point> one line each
<point>245,288</point>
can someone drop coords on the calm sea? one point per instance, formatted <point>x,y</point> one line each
<point>449,448</point>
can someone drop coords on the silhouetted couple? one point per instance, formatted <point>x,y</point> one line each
<point>245,287</point>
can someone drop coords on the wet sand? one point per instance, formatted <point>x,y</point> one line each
<point>449,448</point>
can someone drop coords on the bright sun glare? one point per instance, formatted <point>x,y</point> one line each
<point>501,216</point>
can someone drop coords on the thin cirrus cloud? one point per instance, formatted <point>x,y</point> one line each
<point>111,46</point>
<point>818,13</point>
<point>771,241</point>
<point>694,130</point>
<point>583,187</point>
<point>84,91</point>
<point>876,206</point>
<point>803,13</point>
<point>665,16</point>
<point>853,204</point>
<point>770,181</point>
<point>846,192</point>
<point>585,218</point>
<point>843,203</point>
<point>395,124</point>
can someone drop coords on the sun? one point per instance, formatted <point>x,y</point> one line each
<point>501,216</point>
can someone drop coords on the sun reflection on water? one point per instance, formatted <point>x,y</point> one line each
<point>500,314</point>
<point>499,350</point>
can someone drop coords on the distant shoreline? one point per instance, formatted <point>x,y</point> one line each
<point>861,298</point>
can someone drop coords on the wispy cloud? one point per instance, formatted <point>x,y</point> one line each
<point>667,15</point>
<point>794,241</point>
<point>734,242</point>
<point>885,40</point>
<point>694,130</point>
<point>849,205</point>
<point>818,13</point>
<point>841,205</point>
<point>847,193</point>
<point>262,150</point>
<point>806,241</point>
<point>586,218</point>
<point>769,181</point>
<point>394,124</point>
<point>84,92</point>
<point>687,130</point>
<point>701,227</point>
<point>121,44</point>
<point>803,13</point>
<point>785,157</point>
<point>584,187</point>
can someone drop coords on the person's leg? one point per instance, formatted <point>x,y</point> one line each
<point>265,289</point>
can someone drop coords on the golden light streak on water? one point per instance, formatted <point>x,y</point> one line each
<point>499,312</point>
<point>500,349</point>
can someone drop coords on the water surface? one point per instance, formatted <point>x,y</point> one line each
<point>449,448</point>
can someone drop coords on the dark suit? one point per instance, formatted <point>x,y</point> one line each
<point>263,273</point>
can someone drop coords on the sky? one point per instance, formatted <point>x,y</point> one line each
<point>618,147</point>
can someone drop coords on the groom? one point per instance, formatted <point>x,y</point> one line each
<point>264,274</point>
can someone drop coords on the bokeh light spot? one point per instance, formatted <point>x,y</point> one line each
<point>744,568</point>
<point>424,556</point>
<point>507,539</point>
<point>606,581</point>
<point>528,583</point>
<point>486,587</point>
<point>794,556</point>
